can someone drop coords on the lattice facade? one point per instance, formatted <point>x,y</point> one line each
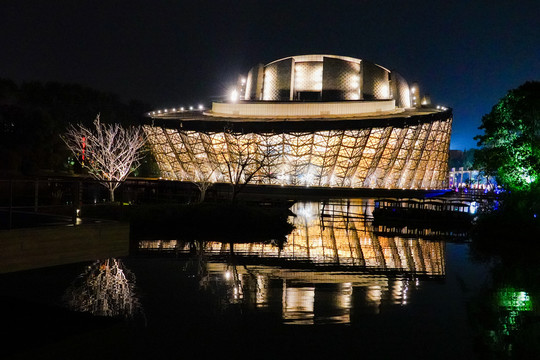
<point>341,79</point>
<point>404,157</point>
<point>277,81</point>
<point>375,82</point>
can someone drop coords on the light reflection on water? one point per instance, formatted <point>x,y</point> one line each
<point>311,297</point>
<point>338,234</point>
<point>105,288</point>
<point>333,263</point>
<point>398,294</point>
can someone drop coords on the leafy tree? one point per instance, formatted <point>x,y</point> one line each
<point>511,140</point>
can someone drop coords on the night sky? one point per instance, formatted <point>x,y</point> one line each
<point>464,54</point>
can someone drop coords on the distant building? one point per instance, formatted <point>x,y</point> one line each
<point>310,120</point>
<point>460,178</point>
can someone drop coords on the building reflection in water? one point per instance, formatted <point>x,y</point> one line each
<point>106,288</point>
<point>332,262</point>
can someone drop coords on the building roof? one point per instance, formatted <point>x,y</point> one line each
<point>202,121</point>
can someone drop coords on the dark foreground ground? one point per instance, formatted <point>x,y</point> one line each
<point>177,323</point>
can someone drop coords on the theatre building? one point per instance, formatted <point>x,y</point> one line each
<point>309,120</point>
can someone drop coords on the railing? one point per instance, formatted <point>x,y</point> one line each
<point>45,200</point>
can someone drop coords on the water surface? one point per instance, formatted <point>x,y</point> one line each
<point>339,286</point>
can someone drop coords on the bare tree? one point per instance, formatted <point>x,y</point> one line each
<point>109,152</point>
<point>244,161</point>
<point>203,180</point>
<point>201,174</point>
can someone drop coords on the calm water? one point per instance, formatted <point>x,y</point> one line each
<point>339,286</point>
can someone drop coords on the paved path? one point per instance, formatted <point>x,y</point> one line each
<point>32,248</point>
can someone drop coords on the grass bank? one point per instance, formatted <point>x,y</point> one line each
<point>205,221</point>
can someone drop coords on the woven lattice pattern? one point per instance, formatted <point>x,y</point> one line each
<point>400,91</point>
<point>343,76</point>
<point>410,157</point>
<point>376,84</point>
<point>270,90</point>
<point>277,80</point>
<point>308,76</point>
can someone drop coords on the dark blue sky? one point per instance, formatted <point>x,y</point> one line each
<point>466,54</point>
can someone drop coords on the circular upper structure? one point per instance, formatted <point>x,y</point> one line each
<point>316,86</point>
<point>325,78</point>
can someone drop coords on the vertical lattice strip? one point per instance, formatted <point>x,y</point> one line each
<point>390,154</point>
<point>354,143</point>
<point>158,144</point>
<point>374,170</point>
<point>429,155</point>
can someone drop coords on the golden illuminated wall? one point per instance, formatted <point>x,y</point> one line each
<point>277,80</point>
<point>308,76</point>
<point>408,157</point>
<point>341,79</point>
<point>400,90</point>
<point>254,83</point>
<point>375,81</point>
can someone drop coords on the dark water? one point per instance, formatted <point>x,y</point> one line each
<point>339,286</point>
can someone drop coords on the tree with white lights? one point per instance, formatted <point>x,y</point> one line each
<point>109,151</point>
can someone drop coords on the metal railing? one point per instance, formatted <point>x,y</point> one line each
<point>42,200</point>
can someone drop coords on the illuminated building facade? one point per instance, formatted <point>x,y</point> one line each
<point>310,120</point>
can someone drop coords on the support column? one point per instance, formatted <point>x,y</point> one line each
<point>36,195</point>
